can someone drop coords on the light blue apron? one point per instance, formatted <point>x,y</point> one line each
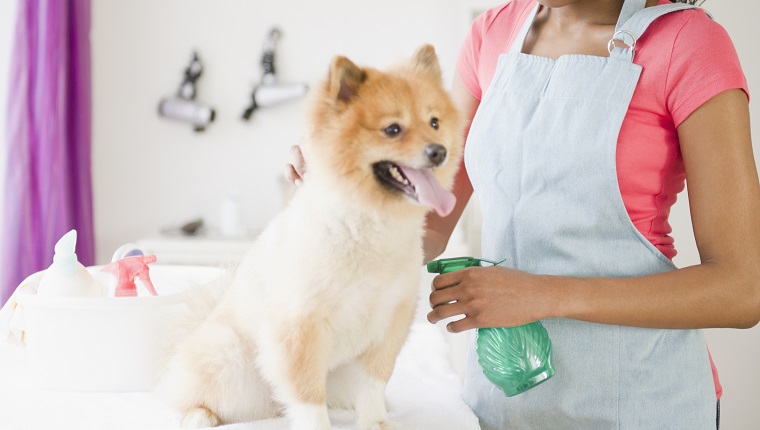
<point>541,157</point>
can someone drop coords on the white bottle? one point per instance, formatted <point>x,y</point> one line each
<point>67,277</point>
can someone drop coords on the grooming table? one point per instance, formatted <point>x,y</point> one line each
<point>423,394</point>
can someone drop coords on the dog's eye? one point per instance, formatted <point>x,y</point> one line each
<point>392,130</point>
<point>434,123</point>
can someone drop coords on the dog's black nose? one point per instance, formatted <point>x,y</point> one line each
<point>436,153</point>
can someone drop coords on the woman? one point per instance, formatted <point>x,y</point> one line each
<point>577,153</point>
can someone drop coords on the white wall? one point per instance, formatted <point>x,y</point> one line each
<point>150,173</point>
<point>736,352</point>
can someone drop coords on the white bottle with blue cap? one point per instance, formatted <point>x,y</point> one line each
<point>67,277</point>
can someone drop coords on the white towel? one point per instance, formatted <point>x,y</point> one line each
<point>423,394</point>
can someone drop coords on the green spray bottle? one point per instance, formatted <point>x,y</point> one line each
<point>515,359</point>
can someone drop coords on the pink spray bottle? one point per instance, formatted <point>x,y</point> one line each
<point>127,270</point>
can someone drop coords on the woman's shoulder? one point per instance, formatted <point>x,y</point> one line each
<point>688,36</point>
<point>688,58</point>
<point>502,16</point>
<point>692,26</point>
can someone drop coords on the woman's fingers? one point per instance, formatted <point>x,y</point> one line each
<point>299,163</point>
<point>461,325</point>
<point>291,175</point>
<point>447,298</point>
<point>442,297</point>
<point>442,312</point>
<point>295,172</point>
<point>450,279</point>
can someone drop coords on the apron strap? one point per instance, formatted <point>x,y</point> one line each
<point>517,44</point>
<point>632,28</point>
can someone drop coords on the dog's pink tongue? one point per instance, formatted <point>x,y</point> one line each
<point>429,191</point>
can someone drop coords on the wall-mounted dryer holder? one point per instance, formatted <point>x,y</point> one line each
<point>269,91</point>
<point>183,106</point>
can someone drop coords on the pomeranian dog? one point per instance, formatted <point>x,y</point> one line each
<point>316,313</point>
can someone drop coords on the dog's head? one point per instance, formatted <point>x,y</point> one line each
<point>388,139</point>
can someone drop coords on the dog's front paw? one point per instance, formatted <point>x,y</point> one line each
<point>200,417</point>
<point>378,425</point>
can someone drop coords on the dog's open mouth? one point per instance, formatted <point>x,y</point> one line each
<point>419,184</point>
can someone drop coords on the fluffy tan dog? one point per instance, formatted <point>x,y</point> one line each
<point>318,310</point>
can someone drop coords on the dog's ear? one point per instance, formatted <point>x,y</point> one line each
<point>425,61</point>
<point>345,79</point>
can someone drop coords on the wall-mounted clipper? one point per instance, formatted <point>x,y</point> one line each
<point>183,106</point>
<point>270,92</point>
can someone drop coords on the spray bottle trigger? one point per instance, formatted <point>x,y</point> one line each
<point>493,263</point>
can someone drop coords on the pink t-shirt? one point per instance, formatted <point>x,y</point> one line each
<point>686,57</point>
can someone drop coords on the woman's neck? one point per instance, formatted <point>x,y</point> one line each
<point>569,15</point>
<point>563,17</point>
<point>573,27</point>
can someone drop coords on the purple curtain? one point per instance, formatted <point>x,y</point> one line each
<point>48,188</point>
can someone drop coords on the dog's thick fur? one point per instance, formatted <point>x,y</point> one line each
<point>321,305</point>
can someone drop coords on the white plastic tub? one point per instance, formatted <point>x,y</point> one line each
<point>109,343</point>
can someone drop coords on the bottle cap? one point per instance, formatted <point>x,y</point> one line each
<point>65,258</point>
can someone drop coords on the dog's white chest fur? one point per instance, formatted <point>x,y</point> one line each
<point>349,271</point>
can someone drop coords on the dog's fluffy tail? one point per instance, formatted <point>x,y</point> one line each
<point>198,303</point>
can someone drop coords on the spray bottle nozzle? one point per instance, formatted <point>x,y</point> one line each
<point>127,270</point>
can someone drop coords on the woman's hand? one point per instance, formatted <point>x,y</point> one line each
<point>488,297</point>
<point>295,172</point>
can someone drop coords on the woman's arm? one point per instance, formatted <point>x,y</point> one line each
<point>722,291</point>
<point>438,229</point>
